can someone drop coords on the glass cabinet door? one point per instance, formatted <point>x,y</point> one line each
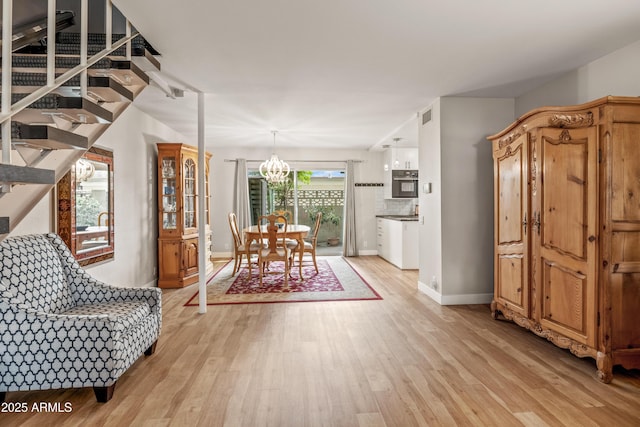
<point>189,194</point>
<point>169,210</point>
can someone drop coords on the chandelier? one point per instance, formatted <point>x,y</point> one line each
<point>274,170</point>
<point>84,170</point>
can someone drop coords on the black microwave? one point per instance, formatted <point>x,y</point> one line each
<point>404,184</point>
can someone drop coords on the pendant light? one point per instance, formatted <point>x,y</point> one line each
<point>274,170</point>
<point>396,162</point>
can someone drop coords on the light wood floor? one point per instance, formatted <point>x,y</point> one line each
<point>402,361</point>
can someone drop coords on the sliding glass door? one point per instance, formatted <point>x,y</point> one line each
<point>301,197</point>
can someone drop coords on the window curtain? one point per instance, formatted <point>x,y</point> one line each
<point>241,195</point>
<point>350,248</point>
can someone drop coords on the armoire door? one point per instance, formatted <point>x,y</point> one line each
<point>512,225</point>
<point>564,235</point>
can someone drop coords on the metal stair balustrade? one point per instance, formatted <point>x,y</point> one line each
<point>67,75</point>
<point>113,81</point>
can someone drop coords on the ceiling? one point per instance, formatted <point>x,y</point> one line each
<point>354,73</point>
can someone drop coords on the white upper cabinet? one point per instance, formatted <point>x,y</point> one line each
<point>401,158</point>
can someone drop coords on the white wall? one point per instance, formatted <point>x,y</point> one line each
<point>430,222</point>
<point>222,183</point>
<point>614,74</point>
<point>467,198</point>
<point>457,235</point>
<point>132,137</point>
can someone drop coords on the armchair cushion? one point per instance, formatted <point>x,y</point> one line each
<point>122,315</point>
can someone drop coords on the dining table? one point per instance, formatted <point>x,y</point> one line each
<point>294,231</point>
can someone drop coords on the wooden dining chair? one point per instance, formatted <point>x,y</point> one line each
<point>285,213</point>
<point>310,246</point>
<point>240,246</point>
<point>276,248</point>
<point>290,243</point>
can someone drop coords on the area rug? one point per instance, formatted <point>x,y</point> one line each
<point>336,280</point>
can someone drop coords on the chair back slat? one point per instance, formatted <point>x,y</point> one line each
<point>316,227</point>
<point>235,232</point>
<point>272,227</point>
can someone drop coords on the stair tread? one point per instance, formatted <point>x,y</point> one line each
<point>43,135</point>
<point>26,174</point>
<point>4,225</point>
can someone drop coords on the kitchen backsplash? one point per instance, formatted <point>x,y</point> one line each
<point>394,206</point>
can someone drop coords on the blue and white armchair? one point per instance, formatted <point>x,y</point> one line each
<point>61,328</point>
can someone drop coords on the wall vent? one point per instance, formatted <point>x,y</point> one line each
<point>426,117</point>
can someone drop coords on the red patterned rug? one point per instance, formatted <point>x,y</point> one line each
<point>336,280</point>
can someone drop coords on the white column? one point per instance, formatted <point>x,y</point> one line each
<point>108,24</point>
<point>84,30</point>
<point>202,252</point>
<point>51,42</point>
<point>7,30</point>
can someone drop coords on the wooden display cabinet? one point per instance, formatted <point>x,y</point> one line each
<point>178,215</point>
<point>567,228</point>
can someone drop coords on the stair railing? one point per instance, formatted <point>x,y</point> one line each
<point>8,109</point>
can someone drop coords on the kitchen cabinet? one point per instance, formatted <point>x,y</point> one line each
<point>397,242</point>
<point>401,158</point>
<point>397,159</point>
<point>567,228</point>
<point>178,215</point>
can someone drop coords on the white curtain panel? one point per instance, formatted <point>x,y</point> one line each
<point>350,248</point>
<point>241,195</point>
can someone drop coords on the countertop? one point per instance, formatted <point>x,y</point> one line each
<point>399,217</point>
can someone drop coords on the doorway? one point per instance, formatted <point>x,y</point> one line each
<point>303,194</point>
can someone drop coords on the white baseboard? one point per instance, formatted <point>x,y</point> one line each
<point>463,299</point>
<point>221,254</point>
<point>431,293</point>
<point>368,252</point>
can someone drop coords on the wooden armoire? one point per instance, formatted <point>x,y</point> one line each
<point>178,196</point>
<point>567,228</point>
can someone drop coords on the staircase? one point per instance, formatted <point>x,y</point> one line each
<point>55,128</point>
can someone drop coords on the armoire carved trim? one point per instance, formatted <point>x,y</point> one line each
<point>559,340</point>
<point>571,121</point>
<point>503,142</point>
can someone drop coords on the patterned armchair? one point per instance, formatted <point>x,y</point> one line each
<point>61,328</point>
